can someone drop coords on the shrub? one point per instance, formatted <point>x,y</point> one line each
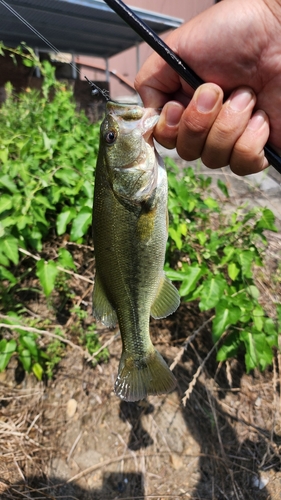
<point>47,158</point>
<point>213,256</point>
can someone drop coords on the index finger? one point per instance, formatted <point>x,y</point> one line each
<point>157,83</point>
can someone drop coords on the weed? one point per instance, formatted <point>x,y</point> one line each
<point>47,158</point>
<point>55,351</point>
<point>215,258</point>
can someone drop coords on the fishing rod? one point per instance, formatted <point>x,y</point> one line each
<point>172,59</point>
<point>156,43</point>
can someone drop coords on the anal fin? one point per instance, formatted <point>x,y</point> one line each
<point>102,309</point>
<point>167,299</point>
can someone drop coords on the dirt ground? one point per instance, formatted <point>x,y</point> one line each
<point>74,439</point>
<point>216,437</point>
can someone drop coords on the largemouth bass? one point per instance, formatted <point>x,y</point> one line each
<point>130,234</point>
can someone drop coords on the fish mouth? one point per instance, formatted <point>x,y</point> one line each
<point>134,116</point>
<point>148,122</point>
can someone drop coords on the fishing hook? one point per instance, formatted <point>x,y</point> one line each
<point>97,90</point>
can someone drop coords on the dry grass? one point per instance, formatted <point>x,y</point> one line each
<point>23,446</point>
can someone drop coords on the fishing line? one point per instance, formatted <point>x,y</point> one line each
<point>95,88</point>
<point>175,62</point>
<point>34,30</point>
<point>155,42</point>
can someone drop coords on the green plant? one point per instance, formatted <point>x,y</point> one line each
<point>54,351</point>
<point>213,256</point>
<point>25,346</point>
<point>91,341</point>
<point>88,336</point>
<point>47,158</point>
<point>48,153</point>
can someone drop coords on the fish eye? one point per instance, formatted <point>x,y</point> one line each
<point>110,136</point>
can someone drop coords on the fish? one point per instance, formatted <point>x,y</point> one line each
<point>130,229</point>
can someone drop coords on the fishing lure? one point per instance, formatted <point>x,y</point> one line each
<point>97,90</point>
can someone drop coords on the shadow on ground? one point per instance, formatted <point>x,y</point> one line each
<point>114,486</point>
<point>227,466</point>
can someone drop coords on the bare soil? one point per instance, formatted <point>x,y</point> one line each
<point>74,439</point>
<point>216,437</point>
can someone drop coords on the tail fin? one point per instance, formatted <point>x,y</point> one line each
<point>137,378</point>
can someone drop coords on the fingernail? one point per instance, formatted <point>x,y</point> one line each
<point>257,121</point>
<point>173,112</point>
<point>206,98</point>
<point>240,99</point>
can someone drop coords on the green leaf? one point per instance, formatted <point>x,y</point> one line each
<point>174,275</point>
<point>64,218</point>
<point>47,273</point>
<point>7,182</point>
<point>37,370</point>
<point>9,246</point>
<point>25,359</point>
<point>223,188</point>
<point>5,202</point>
<point>4,155</point>
<point>267,220</point>
<point>253,291</point>
<point>229,348</point>
<point>81,224</point>
<point>66,259</point>
<point>202,237</point>
<point>68,176</point>
<point>258,352</point>
<point>3,261</point>
<point>183,228</point>
<point>226,314</point>
<point>48,143</point>
<point>258,317</point>
<point>35,239</point>
<point>5,274</point>
<point>271,332</point>
<point>88,189</point>
<point>28,62</point>
<point>233,271</point>
<point>43,200</point>
<point>176,237</point>
<point>229,251</point>
<point>7,348</point>
<point>250,214</point>
<point>246,259</point>
<point>251,357</point>
<point>211,203</point>
<point>278,309</point>
<point>212,291</point>
<point>191,276</point>
<point>30,343</point>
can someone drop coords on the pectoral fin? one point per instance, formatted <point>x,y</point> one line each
<point>166,301</point>
<point>102,309</point>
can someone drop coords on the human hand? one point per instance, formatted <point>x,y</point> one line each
<point>235,45</point>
